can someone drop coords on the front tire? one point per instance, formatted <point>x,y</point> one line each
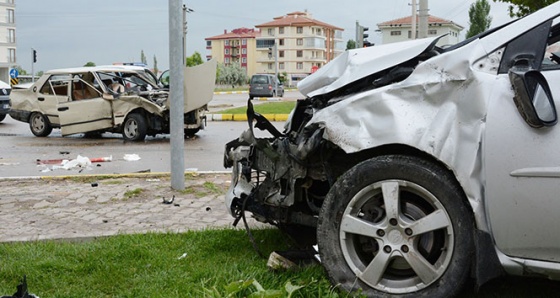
<point>134,128</point>
<point>396,226</point>
<point>40,125</point>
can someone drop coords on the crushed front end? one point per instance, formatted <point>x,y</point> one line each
<point>281,180</point>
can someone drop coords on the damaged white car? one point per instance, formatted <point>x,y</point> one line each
<point>416,167</point>
<point>122,99</point>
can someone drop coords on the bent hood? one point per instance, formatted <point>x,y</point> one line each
<point>355,64</point>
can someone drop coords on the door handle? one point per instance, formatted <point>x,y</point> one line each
<point>62,109</point>
<point>41,99</point>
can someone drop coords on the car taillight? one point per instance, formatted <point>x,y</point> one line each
<point>269,87</point>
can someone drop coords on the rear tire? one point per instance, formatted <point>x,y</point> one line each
<point>190,132</point>
<point>134,128</point>
<point>40,125</point>
<point>2,117</point>
<point>396,226</point>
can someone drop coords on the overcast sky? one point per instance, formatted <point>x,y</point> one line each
<point>69,33</point>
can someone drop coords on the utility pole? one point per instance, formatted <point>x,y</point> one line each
<point>185,10</point>
<point>423,19</point>
<point>176,94</point>
<point>413,23</point>
<point>275,59</point>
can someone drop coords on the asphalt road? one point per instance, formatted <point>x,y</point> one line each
<point>20,149</point>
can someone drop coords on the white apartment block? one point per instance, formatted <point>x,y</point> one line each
<point>400,30</point>
<point>303,45</point>
<point>7,38</point>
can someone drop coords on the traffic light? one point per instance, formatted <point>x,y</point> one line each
<point>361,36</point>
<point>34,56</point>
<point>269,52</point>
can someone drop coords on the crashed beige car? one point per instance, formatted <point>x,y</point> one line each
<point>118,99</point>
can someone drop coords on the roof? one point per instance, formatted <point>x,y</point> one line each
<point>237,33</point>
<point>297,18</point>
<point>408,21</point>
<point>109,68</point>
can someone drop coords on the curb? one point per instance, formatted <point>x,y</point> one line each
<point>243,117</point>
<point>111,176</point>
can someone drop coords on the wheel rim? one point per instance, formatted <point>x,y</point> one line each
<point>131,128</point>
<point>38,123</point>
<point>396,236</point>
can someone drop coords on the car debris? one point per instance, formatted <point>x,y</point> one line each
<point>408,164</point>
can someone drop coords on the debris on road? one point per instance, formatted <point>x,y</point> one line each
<point>131,157</point>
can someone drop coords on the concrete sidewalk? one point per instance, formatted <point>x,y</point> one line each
<point>82,207</point>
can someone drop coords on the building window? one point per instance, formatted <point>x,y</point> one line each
<point>227,51</point>
<point>281,65</point>
<point>270,65</point>
<point>12,57</point>
<point>299,54</point>
<point>244,51</point>
<point>11,36</point>
<point>244,60</point>
<point>281,41</point>
<point>394,33</point>
<point>299,41</point>
<point>281,30</point>
<point>208,43</point>
<point>281,54</point>
<point>11,18</point>
<point>226,42</point>
<point>319,31</point>
<point>265,43</point>
<point>299,30</point>
<point>432,31</point>
<point>226,60</point>
<point>244,41</point>
<point>270,31</point>
<point>299,65</point>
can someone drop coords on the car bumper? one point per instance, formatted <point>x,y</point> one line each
<point>20,115</point>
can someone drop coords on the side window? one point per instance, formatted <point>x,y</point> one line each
<point>551,58</point>
<point>56,85</point>
<point>83,86</point>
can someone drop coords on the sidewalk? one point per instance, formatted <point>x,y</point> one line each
<point>82,207</point>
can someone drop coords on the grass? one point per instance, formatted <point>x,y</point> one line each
<point>211,263</point>
<point>283,107</point>
<point>151,265</point>
<point>133,193</point>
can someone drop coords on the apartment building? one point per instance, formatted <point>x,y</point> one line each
<point>295,44</point>
<point>400,30</point>
<point>299,44</point>
<point>237,46</point>
<point>7,38</point>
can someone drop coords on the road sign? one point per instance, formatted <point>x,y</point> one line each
<point>13,73</point>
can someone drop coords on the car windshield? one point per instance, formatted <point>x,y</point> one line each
<point>130,80</point>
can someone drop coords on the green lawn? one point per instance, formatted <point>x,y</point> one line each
<point>283,107</point>
<point>211,263</point>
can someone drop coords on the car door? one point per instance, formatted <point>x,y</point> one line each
<point>86,110</point>
<point>52,92</point>
<point>522,163</point>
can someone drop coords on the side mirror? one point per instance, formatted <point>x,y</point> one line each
<point>533,98</point>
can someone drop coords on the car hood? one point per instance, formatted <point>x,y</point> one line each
<point>356,64</point>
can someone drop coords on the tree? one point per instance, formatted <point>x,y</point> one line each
<point>479,18</point>
<point>156,70</point>
<point>351,44</point>
<point>232,74</point>
<point>89,64</point>
<point>194,59</point>
<point>525,7</point>
<point>143,57</point>
<point>20,70</point>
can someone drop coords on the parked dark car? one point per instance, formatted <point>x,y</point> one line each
<point>5,104</point>
<point>265,85</point>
